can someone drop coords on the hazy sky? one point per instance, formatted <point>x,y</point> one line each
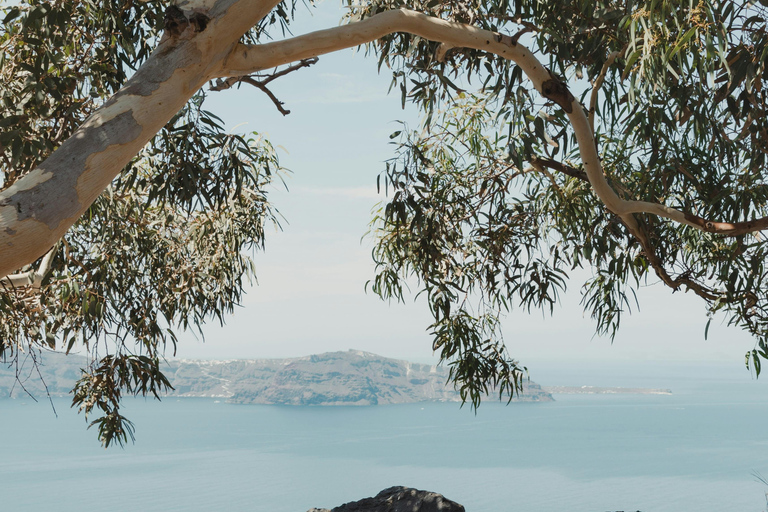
<point>310,297</point>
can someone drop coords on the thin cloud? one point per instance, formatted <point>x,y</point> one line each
<point>338,88</point>
<point>343,192</point>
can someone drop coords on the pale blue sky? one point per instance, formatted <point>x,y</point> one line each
<point>310,296</point>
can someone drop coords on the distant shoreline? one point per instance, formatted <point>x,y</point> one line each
<point>595,390</point>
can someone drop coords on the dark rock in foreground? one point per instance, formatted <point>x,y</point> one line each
<point>399,499</point>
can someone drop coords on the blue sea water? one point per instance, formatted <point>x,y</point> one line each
<point>694,450</point>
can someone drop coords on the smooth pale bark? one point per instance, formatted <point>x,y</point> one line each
<point>38,209</point>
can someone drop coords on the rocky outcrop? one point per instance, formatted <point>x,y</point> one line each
<point>399,499</point>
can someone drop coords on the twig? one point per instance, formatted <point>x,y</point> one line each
<point>526,29</point>
<point>227,83</point>
<point>45,385</point>
<point>18,378</point>
<point>261,85</point>
<point>530,27</point>
<point>304,63</point>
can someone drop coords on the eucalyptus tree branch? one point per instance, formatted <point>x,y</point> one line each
<point>641,235</point>
<point>729,228</point>
<point>304,63</point>
<point>649,251</point>
<point>562,168</point>
<point>528,26</point>
<point>252,58</point>
<point>599,83</point>
<point>259,84</point>
<point>39,207</point>
<point>200,44</point>
<point>546,163</point>
<point>247,59</point>
<point>537,166</point>
<point>700,223</point>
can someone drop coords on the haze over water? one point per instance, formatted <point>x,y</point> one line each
<point>694,450</point>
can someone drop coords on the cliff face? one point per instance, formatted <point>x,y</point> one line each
<point>346,378</point>
<point>334,378</point>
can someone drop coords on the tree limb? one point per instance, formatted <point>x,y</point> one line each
<point>223,84</point>
<point>562,168</point>
<point>536,165</point>
<point>721,228</point>
<point>261,85</point>
<point>251,58</point>
<point>649,251</point>
<point>246,59</point>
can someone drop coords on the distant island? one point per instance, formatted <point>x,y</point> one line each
<point>334,378</point>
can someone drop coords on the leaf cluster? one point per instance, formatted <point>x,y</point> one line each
<point>489,206</point>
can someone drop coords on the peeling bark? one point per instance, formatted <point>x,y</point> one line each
<point>58,175</point>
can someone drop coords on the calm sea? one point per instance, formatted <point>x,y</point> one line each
<point>695,450</point>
